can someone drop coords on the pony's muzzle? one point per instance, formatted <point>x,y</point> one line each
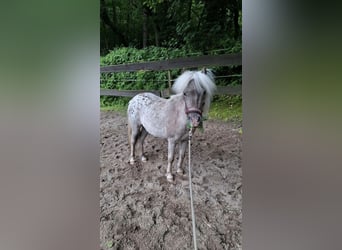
<point>195,119</point>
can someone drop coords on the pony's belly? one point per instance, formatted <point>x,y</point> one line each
<point>165,128</point>
<point>155,129</point>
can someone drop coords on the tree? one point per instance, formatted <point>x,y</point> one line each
<point>198,25</point>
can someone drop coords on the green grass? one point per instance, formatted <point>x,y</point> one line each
<point>115,107</point>
<point>224,107</point>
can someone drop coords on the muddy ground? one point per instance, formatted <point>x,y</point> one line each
<point>141,210</point>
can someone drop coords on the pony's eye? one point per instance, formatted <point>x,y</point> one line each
<point>184,94</point>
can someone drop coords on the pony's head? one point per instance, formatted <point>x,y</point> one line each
<point>198,88</point>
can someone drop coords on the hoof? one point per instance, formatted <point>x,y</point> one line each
<point>143,158</point>
<point>180,171</point>
<point>131,161</point>
<point>169,177</point>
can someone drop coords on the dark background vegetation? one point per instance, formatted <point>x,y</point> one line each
<point>152,30</point>
<point>194,25</point>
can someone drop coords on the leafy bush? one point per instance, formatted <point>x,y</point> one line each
<point>151,80</point>
<point>141,80</point>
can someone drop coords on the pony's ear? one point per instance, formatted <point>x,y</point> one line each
<point>204,70</point>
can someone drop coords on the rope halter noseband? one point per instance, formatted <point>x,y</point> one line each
<point>192,110</point>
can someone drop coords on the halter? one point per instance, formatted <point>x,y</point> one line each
<point>192,110</point>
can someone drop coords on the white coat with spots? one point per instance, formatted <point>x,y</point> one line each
<point>170,118</point>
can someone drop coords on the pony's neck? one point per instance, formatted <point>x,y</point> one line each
<point>178,100</point>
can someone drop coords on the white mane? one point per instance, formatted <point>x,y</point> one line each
<point>201,80</point>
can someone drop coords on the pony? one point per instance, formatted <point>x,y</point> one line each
<point>171,118</point>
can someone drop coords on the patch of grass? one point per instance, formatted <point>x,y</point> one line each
<point>223,107</point>
<point>122,108</point>
<point>226,108</point>
<point>110,103</point>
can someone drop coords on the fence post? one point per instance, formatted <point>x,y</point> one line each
<point>169,76</point>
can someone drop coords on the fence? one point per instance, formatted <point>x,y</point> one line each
<point>178,63</point>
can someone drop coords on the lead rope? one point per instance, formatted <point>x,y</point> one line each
<point>191,200</point>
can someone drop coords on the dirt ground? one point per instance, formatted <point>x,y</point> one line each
<point>141,210</point>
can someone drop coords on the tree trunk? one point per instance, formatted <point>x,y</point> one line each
<point>145,31</point>
<point>189,10</point>
<point>105,19</point>
<point>104,39</point>
<point>156,33</point>
<point>128,33</point>
<point>236,23</point>
<point>114,13</point>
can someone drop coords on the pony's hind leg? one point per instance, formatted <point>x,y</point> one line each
<point>133,133</point>
<point>142,138</point>
<point>182,148</point>
<point>170,155</point>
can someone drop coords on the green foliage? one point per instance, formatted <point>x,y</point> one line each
<point>227,108</point>
<point>114,103</point>
<point>152,4</point>
<point>141,80</point>
<point>118,103</point>
<point>153,80</point>
<point>197,25</point>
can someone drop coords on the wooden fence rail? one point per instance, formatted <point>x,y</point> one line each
<point>177,63</point>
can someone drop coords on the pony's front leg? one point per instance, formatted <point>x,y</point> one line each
<point>170,155</point>
<point>182,148</point>
<point>132,155</point>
